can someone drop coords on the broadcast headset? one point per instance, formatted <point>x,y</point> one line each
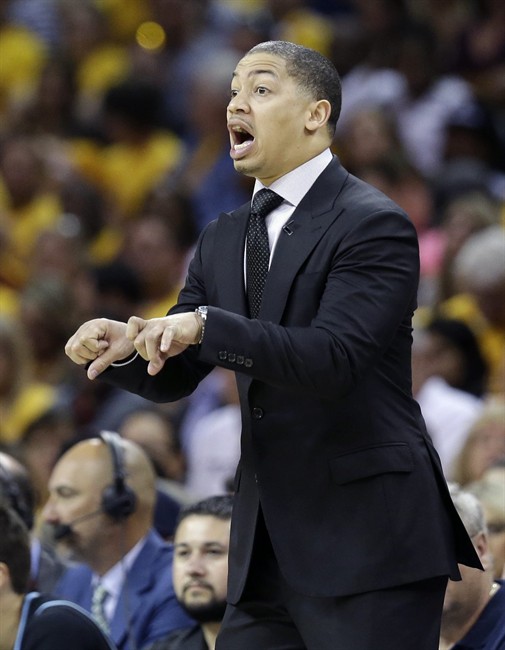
<point>118,499</point>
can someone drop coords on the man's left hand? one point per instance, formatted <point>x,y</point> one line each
<point>158,339</point>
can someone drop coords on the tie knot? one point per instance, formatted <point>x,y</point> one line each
<point>265,201</point>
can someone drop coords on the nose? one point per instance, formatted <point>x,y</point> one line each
<point>195,566</point>
<point>238,103</point>
<point>49,513</point>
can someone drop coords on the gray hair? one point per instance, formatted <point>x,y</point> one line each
<point>469,509</point>
<point>480,264</point>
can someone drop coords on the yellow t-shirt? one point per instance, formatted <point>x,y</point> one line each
<point>33,401</point>
<point>22,227</point>
<point>22,55</point>
<point>130,172</point>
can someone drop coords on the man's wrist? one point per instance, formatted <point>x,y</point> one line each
<point>201,313</point>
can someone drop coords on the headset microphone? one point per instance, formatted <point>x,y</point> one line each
<point>64,530</point>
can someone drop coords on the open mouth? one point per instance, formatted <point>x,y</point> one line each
<point>241,138</point>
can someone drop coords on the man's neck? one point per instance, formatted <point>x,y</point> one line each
<point>10,611</point>
<point>210,631</point>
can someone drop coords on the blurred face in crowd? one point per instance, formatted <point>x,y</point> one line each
<point>75,490</point>
<point>494,511</point>
<point>488,447</point>
<point>154,433</point>
<point>200,566</point>
<point>465,598</point>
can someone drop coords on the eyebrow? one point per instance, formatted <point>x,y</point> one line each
<point>204,545</point>
<point>254,73</point>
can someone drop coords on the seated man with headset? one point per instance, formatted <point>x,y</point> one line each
<point>101,502</point>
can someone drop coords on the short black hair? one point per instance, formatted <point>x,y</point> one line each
<point>312,70</point>
<point>14,547</point>
<point>135,100</point>
<point>459,335</point>
<point>219,506</point>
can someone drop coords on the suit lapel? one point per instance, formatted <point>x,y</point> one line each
<point>229,259</point>
<point>308,224</point>
<point>137,581</point>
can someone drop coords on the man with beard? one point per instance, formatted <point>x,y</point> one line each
<point>200,571</point>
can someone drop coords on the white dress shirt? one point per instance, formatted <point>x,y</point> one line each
<point>293,186</point>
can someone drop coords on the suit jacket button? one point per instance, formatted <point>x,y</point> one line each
<point>222,355</point>
<point>240,360</point>
<point>231,357</point>
<point>257,413</point>
<point>248,363</point>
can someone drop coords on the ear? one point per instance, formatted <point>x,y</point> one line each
<point>481,546</point>
<point>318,115</point>
<point>5,578</point>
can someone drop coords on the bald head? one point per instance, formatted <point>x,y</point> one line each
<point>92,463</point>
<point>76,492</point>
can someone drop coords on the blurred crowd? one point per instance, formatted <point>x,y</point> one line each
<point>114,157</point>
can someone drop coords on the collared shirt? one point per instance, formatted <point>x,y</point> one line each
<point>115,577</point>
<point>293,186</point>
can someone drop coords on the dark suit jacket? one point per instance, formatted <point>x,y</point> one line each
<point>333,445</point>
<point>47,624</point>
<point>147,608</point>
<point>185,640</point>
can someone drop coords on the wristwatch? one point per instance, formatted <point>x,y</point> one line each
<point>202,312</point>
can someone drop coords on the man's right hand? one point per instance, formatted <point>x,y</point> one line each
<point>101,341</point>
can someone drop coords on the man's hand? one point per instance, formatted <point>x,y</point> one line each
<point>158,339</point>
<point>101,341</point>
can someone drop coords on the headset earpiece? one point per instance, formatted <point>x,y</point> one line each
<point>118,499</point>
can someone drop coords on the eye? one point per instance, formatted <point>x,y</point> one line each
<point>261,90</point>
<point>233,92</point>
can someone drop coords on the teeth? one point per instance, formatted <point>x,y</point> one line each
<point>245,144</point>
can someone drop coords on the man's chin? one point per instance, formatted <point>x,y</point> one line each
<point>209,612</point>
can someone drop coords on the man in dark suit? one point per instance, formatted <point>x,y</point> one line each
<point>343,531</point>
<point>33,621</point>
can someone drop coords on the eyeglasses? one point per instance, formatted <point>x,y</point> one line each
<point>495,528</point>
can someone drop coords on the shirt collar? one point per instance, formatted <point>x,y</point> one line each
<point>295,184</point>
<point>112,581</point>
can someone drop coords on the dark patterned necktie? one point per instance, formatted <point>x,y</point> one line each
<point>258,247</point>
